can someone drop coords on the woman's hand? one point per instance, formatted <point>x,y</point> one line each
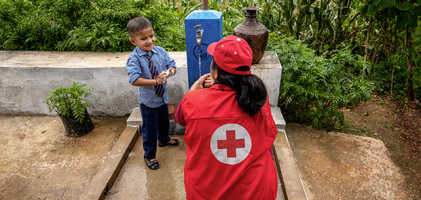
<point>199,83</point>
<point>208,82</point>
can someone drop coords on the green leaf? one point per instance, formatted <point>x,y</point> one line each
<point>404,6</point>
<point>407,18</point>
<point>401,23</point>
<point>385,4</point>
<point>363,10</point>
<point>377,2</point>
<point>372,10</point>
<point>416,11</point>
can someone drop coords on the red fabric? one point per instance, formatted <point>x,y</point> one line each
<point>207,177</point>
<point>230,53</point>
<point>178,114</point>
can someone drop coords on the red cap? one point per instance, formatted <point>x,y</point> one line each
<point>230,53</point>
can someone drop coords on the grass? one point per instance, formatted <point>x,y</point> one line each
<point>351,127</point>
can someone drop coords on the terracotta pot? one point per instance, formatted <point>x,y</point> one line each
<point>171,109</point>
<point>255,33</point>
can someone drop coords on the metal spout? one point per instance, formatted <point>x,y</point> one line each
<point>199,35</point>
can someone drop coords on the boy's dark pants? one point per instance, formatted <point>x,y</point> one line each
<point>156,125</point>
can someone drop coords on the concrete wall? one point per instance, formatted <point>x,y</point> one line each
<point>26,78</point>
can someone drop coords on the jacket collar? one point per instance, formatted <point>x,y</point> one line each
<point>221,87</point>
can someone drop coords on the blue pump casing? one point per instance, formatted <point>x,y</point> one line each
<point>211,21</point>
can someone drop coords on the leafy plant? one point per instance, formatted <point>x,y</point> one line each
<point>82,25</point>
<point>70,100</point>
<point>314,88</point>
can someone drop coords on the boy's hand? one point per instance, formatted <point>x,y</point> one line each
<point>171,72</point>
<point>161,78</point>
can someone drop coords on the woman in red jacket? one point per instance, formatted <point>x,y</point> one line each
<point>229,129</point>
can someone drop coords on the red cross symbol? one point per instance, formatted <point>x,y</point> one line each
<point>231,144</point>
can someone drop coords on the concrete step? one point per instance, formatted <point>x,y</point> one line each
<point>135,119</point>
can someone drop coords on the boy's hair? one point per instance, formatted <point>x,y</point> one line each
<point>136,24</point>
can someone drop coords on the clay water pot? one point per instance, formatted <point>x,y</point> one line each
<point>171,109</point>
<point>255,33</point>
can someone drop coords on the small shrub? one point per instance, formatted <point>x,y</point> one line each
<point>70,100</point>
<point>314,88</point>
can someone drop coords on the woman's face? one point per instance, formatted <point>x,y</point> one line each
<point>214,72</point>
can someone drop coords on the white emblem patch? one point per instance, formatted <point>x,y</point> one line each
<point>231,144</point>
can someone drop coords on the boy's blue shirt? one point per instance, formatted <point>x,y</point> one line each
<point>138,67</point>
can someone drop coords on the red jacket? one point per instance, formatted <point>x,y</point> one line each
<point>227,150</point>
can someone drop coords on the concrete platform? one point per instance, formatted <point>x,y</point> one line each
<point>26,78</point>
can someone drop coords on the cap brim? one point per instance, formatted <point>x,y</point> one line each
<point>211,48</point>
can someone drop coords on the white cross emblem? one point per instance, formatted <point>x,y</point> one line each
<point>230,144</point>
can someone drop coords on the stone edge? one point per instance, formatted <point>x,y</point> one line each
<point>292,185</point>
<point>278,118</point>
<point>108,172</point>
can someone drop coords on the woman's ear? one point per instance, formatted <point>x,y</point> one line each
<point>214,74</point>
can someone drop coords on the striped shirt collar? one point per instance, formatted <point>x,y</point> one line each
<point>141,52</point>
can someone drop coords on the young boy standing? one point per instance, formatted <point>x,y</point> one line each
<point>148,66</point>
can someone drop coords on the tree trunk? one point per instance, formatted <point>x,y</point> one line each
<point>338,23</point>
<point>374,57</point>
<point>395,39</point>
<point>366,45</point>
<point>410,87</point>
<point>391,79</point>
<point>386,44</point>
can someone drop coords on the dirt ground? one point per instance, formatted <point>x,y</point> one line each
<point>38,161</point>
<point>343,166</point>
<point>399,126</point>
<point>376,155</point>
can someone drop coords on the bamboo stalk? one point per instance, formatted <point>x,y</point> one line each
<point>391,80</point>
<point>366,46</point>
<point>410,88</point>
<point>374,57</point>
<point>205,5</point>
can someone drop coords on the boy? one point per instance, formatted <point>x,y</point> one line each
<point>148,66</point>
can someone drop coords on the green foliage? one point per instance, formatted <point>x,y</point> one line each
<point>402,12</point>
<point>314,88</point>
<point>82,25</point>
<point>70,101</point>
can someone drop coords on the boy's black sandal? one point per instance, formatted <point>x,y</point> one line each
<point>152,164</point>
<point>176,143</point>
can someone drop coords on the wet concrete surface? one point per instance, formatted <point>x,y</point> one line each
<point>137,181</point>
<point>38,161</point>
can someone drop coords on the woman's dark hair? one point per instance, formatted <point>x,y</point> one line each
<point>251,91</point>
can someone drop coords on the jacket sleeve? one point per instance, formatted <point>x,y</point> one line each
<point>178,114</point>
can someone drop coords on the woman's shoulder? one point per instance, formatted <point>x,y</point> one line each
<point>194,93</point>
